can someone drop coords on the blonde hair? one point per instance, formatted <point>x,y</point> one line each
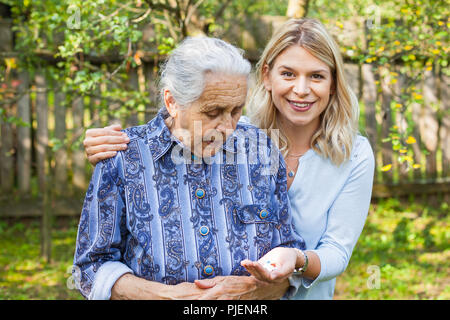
<point>339,121</point>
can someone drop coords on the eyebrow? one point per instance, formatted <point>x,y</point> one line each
<point>313,71</point>
<point>213,107</point>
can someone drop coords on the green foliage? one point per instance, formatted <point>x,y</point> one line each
<point>404,40</point>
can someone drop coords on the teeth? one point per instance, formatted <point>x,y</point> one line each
<point>301,105</point>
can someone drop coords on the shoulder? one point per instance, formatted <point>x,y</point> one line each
<point>137,135</point>
<point>244,119</point>
<point>362,153</point>
<point>256,137</point>
<point>361,147</point>
<point>136,132</point>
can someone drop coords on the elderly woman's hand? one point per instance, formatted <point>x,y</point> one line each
<point>240,288</point>
<point>103,143</point>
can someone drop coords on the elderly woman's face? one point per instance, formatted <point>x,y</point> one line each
<point>212,118</point>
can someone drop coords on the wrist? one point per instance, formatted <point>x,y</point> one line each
<point>302,262</point>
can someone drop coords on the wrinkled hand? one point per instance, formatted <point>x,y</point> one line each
<point>103,143</point>
<point>240,288</point>
<point>285,259</point>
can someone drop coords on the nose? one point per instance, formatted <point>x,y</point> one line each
<point>226,123</point>
<point>302,86</point>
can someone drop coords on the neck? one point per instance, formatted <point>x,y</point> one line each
<point>299,136</point>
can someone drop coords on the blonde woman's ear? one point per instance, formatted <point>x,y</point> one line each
<point>266,78</point>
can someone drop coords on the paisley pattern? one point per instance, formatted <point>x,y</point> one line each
<point>174,222</point>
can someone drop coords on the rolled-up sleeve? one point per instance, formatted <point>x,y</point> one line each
<point>101,233</point>
<point>346,219</point>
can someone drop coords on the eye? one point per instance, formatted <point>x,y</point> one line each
<point>317,76</point>
<point>288,74</point>
<point>236,111</point>
<point>212,114</point>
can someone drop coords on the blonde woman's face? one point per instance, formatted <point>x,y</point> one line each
<point>300,85</point>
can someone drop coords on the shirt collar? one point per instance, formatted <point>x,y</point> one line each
<point>160,139</point>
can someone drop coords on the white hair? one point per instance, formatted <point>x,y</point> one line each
<point>183,74</point>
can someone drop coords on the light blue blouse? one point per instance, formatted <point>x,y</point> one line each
<point>329,208</point>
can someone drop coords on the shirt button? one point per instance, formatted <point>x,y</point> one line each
<point>204,230</point>
<point>263,214</point>
<point>208,270</point>
<point>199,193</point>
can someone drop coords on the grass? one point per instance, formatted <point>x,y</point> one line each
<point>403,253</point>
<point>23,274</point>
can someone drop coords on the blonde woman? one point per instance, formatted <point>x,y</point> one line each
<point>301,91</point>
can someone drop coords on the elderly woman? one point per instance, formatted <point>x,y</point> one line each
<point>196,195</point>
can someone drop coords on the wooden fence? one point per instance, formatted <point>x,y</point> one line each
<point>26,159</point>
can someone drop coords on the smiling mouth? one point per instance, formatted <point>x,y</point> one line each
<point>301,105</point>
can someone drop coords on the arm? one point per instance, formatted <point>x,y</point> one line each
<point>103,143</point>
<point>130,287</point>
<point>346,218</point>
<point>100,244</point>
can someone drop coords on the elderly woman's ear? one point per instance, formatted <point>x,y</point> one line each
<point>170,103</point>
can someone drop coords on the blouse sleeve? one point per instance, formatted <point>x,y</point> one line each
<point>346,217</point>
<point>287,235</point>
<point>101,232</point>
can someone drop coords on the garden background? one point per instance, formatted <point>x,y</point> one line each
<point>68,65</point>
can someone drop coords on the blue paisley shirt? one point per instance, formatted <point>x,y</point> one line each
<point>157,212</point>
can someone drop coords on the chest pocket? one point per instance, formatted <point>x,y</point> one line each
<point>256,213</point>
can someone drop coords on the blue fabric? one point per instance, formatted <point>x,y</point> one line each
<point>147,210</point>
<point>329,208</point>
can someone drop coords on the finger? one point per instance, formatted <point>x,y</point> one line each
<point>101,156</point>
<point>95,141</point>
<point>105,148</point>
<point>115,126</point>
<point>205,283</point>
<point>96,132</point>
<point>262,272</point>
<point>253,268</point>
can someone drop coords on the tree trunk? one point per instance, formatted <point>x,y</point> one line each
<point>46,226</point>
<point>78,156</point>
<point>297,9</point>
